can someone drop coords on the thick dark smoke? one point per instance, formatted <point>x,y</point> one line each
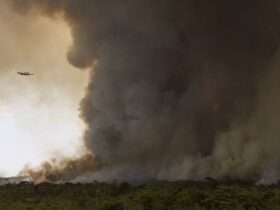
<point>176,86</point>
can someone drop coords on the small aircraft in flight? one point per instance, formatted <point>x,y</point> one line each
<point>25,73</point>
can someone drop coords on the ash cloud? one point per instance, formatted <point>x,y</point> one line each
<point>176,89</point>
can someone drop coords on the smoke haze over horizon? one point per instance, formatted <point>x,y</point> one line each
<point>39,117</point>
<point>178,89</point>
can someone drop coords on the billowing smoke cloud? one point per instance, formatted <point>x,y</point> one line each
<point>176,88</point>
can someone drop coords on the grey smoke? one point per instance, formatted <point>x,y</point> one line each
<point>177,87</point>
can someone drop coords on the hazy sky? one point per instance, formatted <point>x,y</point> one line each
<point>39,117</point>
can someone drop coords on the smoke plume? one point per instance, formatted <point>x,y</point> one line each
<point>178,89</point>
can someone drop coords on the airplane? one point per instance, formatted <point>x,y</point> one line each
<point>25,73</point>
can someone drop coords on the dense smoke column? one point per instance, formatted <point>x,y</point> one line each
<point>168,77</point>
